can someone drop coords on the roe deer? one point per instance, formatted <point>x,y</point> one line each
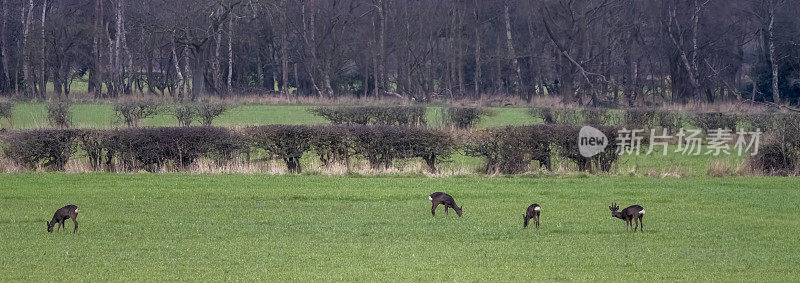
<point>629,214</point>
<point>69,211</point>
<point>533,213</point>
<point>438,198</point>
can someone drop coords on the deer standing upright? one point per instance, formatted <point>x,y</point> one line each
<point>64,213</point>
<point>532,213</point>
<point>629,214</point>
<point>438,198</point>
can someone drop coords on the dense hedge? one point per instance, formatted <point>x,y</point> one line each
<point>372,115</point>
<point>510,150</point>
<point>506,150</point>
<point>154,148</point>
<point>50,148</point>
<point>287,142</point>
<point>779,151</point>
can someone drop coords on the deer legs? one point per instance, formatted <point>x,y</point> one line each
<point>641,221</point>
<point>76,226</point>
<point>433,209</point>
<point>445,209</point>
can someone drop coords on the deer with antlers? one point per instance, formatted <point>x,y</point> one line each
<point>629,214</point>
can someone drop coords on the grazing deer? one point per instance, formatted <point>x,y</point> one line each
<point>64,213</point>
<point>438,198</point>
<point>629,214</point>
<point>533,213</point>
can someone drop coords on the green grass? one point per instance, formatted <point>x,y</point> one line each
<point>170,227</point>
<point>34,115</point>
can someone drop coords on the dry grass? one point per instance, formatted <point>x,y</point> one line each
<point>269,167</point>
<point>739,107</point>
<point>719,169</point>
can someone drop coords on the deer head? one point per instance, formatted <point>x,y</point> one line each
<point>458,210</point>
<point>49,227</point>
<point>614,210</point>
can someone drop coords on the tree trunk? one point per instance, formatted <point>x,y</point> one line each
<point>477,79</point>
<point>186,73</point>
<point>43,79</point>
<point>772,59</point>
<point>460,54</point>
<point>230,52</point>
<point>284,52</point>
<point>375,72</point>
<point>5,81</point>
<point>26,75</point>
<point>519,88</point>
<point>198,73</point>
<point>384,80</point>
<point>96,75</point>
<point>177,70</point>
<point>215,62</point>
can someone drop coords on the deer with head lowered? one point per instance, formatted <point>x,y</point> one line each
<point>629,214</point>
<point>438,198</point>
<point>62,214</point>
<point>532,213</point>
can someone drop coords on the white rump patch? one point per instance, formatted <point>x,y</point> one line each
<point>76,210</point>
<point>430,198</point>
<point>538,208</point>
<point>641,212</point>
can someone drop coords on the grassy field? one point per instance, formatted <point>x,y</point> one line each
<point>170,227</point>
<point>34,115</point>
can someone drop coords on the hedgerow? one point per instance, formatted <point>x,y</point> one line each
<point>372,115</point>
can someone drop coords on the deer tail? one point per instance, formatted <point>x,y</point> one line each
<point>76,210</point>
<point>538,208</point>
<point>641,212</point>
<point>430,198</point>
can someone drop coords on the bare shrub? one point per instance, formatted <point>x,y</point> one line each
<point>185,113</point>
<point>545,113</point>
<point>668,120</point>
<point>595,116</point>
<point>133,111</point>
<point>6,109</point>
<point>209,110</point>
<point>58,113</point>
<point>466,117</point>
<point>714,120</point>
<point>643,118</point>
<point>368,115</point>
